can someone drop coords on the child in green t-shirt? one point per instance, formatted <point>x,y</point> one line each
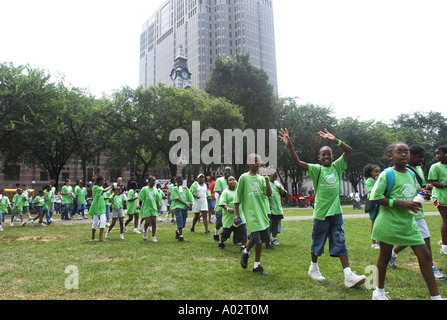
<point>80,195</point>
<point>149,203</point>
<point>437,176</point>
<point>117,204</point>
<point>5,204</point>
<point>417,157</point>
<point>250,197</point>
<point>181,201</point>
<point>39,204</point>
<point>229,222</point>
<point>133,210</point>
<point>371,174</point>
<point>328,220</point>
<point>395,225</point>
<point>276,214</point>
<point>17,207</point>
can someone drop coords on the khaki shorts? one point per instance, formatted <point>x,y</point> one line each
<point>117,213</point>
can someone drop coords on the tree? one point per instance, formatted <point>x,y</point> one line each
<point>246,85</point>
<point>427,129</point>
<point>368,140</point>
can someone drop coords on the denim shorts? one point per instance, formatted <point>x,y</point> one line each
<point>211,203</point>
<point>180,217</point>
<point>332,227</point>
<point>239,234</point>
<point>259,237</point>
<point>82,206</point>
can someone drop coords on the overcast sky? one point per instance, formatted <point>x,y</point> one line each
<point>372,59</point>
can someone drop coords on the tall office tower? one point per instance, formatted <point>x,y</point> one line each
<point>206,30</point>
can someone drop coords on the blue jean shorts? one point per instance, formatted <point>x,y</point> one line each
<point>331,228</point>
<point>180,216</point>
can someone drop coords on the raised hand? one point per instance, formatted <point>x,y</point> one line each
<point>327,135</point>
<point>284,136</point>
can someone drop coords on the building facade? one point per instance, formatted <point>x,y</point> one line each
<point>206,30</point>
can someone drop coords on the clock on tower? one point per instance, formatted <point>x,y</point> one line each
<point>180,75</point>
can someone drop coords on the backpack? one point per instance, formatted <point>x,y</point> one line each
<point>390,179</point>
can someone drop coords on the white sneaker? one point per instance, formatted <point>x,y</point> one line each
<point>107,234</point>
<point>443,251</point>
<point>315,274</point>
<point>122,236</point>
<point>375,246</point>
<point>140,227</point>
<point>11,224</point>
<point>275,242</point>
<point>380,296</point>
<point>43,224</point>
<point>153,239</point>
<point>125,229</point>
<point>353,280</point>
<point>23,223</point>
<point>135,230</point>
<point>145,235</point>
<point>1,228</point>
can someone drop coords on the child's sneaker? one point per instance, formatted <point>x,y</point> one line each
<point>135,230</point>
<point>1,228</point>
<point>380,296</point>
<point>353,280</point>
<point>144,235</point>
<point>315,274</point>
<point>122,236</point>
<point>443,251</point>
<point>154,239</point>
<point>244,259</point>
<point>107,234</point>
<point>438,274</point>
<point>259,270</point>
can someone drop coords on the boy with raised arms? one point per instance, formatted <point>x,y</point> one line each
<point>328,220</point>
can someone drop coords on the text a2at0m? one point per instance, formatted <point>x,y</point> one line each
<point>246,309</point>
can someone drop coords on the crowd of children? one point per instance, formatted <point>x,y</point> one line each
<point>251,208</point>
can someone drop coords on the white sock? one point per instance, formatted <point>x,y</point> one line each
<point>314,265</point>
<point>380,290</point>
<point>257,264</point>
<point>393,254</point>
<point>347,271</point>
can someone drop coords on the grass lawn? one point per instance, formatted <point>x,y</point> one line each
<point>36,263</point>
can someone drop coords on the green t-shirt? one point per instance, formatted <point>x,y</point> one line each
<point>221,184</point>
<point>327,192</point>
<point>370,182</point>
<point>48,197</point>
<point>275,199</point>
<point>149,198</point>
<point>250,195</point>
<point>132,205</point>
<point>186,196</point>
<point>396,226</point>
<point>18,202</point>
<point>98,205</point>
<point>26,195</point>
<point>227,199</point>
<point>4,204</point>
<point>80,194</point>
<point>438,172</point>
<point>117,201</point>
<point>39,201</point>
<point>68,198</point>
